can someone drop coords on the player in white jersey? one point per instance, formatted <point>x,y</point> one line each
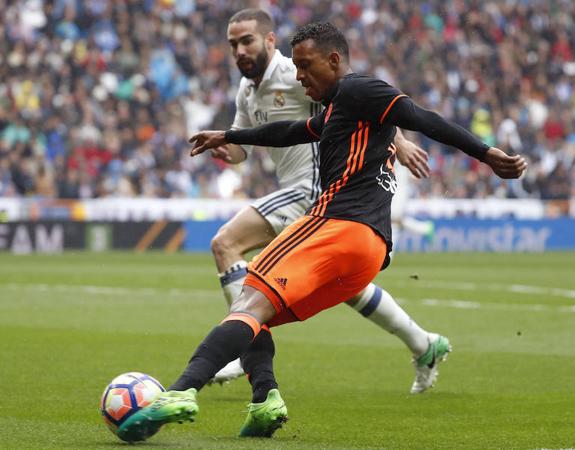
<point>279,96</point>
<point>269,92</point>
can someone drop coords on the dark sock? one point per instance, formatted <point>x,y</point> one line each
<point>225,343</point>
<point>257,362</point>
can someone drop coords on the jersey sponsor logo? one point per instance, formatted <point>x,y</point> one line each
<point>281,281</point>
<point>261,116</point>
<point>279,99</point>
<point>386,180</point>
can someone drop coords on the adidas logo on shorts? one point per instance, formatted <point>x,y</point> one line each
<point>281,281</point>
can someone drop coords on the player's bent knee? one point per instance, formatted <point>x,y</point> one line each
<point>222,242</point>
<point>255,303</point>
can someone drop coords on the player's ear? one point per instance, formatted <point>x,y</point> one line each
<point>334,59</point>
<point>270,40</point>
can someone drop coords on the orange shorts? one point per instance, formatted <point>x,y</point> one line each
<point>314,264</point>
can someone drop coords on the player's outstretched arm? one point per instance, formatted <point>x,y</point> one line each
<point>504,165</point>
<point>412,156</point>
<point>205,140</point>
<point>230,153</point>
<point>410,116</point>
<point>283,133</point>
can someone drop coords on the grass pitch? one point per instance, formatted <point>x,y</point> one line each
<point>71,323</point>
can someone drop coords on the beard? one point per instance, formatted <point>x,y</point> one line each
<point>259,66</point>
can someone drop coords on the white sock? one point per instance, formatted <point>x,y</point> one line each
<point>379,306</point>
<point>232,280</point>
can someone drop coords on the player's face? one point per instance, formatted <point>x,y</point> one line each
<point>252,50</point>
<point>316,70</point>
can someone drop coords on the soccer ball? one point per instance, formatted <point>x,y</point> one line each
<point>126,394</point>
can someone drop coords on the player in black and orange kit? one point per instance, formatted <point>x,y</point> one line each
<point>338,247</point>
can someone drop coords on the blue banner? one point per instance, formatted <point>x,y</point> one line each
<point>484,235</point>
<point>451,235</point>
<point>199,234</point>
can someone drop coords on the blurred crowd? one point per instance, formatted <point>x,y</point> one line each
<point>98,97</point>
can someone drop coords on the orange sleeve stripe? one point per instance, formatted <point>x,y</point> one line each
<point>362,154</point>
<point>355,138</point>
<point>313,133</point>
<point>382,118</point>
<point>358,150</point>
<point>245,318</point>
<point>354,145</point>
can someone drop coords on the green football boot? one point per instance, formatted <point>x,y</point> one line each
<point>265,418</point>
<point>426,365</point>
<point>170,406</point>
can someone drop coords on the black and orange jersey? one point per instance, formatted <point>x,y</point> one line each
<point>357,153</point>
<point>356,132</point>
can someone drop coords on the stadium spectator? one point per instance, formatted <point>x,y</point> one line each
<point>141,70</point>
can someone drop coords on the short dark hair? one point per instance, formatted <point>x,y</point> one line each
<point>325,36</point>
<point>264,21</point>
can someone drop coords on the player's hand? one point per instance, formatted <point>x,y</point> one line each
<point>503,165</point>
<point>222,153</point>
<point>205,140</point>
<point>413,157</point>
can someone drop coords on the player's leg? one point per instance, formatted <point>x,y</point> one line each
<point>311,266</point>
<point>377,305</point>
<point>236,335</point>
<point>267,410</point>
<point>226,342</point>
<point>287,255</point>
<point>232,338</point>
<point>247,230</point>
<point>428,349</point>
<point>253,227</point>
<point>258,364</point>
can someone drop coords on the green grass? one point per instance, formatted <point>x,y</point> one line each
<point>71,323</point>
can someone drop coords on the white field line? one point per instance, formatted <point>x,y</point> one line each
<point>111,290</point>
<point>513,288</point>
<point>465,304</point>
<point>458,286</point>
<point>195,293</point>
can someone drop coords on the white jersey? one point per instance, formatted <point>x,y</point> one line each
<point>402,193</point>
<point>281,97</point>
